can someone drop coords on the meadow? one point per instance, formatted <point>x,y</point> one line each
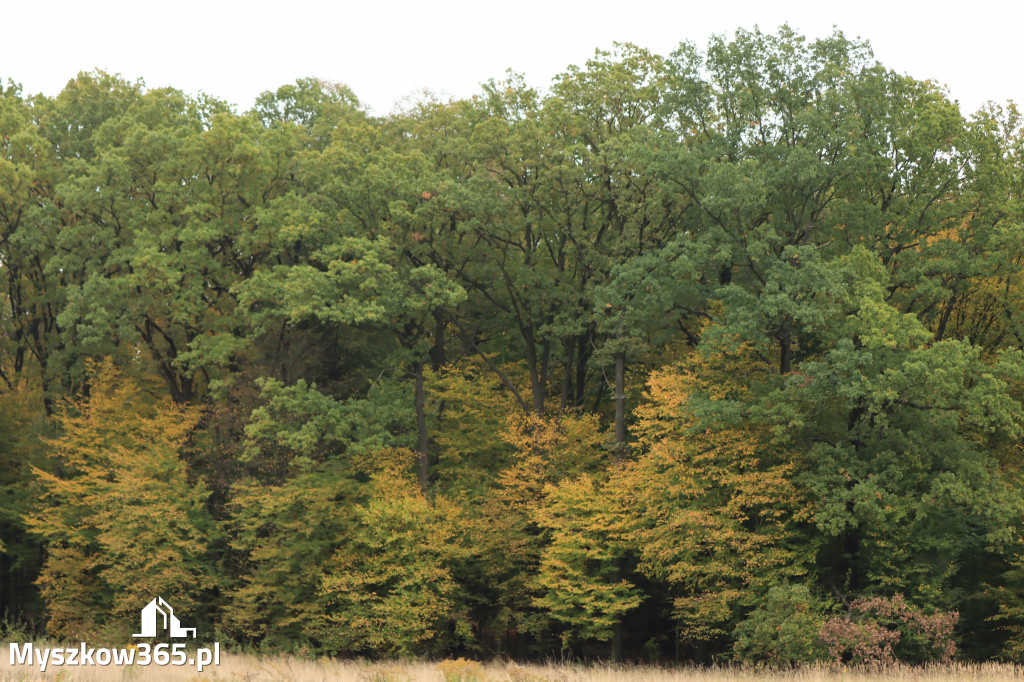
<point>252,668</point>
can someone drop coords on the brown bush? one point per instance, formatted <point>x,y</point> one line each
<point>879,631</point>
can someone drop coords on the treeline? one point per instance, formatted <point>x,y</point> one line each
<point>689,357</point>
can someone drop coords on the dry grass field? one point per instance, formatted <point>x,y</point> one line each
<point>246,668</point>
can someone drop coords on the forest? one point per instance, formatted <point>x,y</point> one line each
<point>714,356</point>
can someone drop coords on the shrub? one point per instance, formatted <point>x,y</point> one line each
<point>783,629</point>
<point>461,670</point>
<point>879,631</point>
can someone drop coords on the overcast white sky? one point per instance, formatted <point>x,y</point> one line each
<point>385,51</point>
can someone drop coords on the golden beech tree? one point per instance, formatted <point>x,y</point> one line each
<point>709,496</point>
<point>121,517</point>
<point>496,467</point>
<point>548,450</point>
<point>580,574</point>
<point>390,587</point>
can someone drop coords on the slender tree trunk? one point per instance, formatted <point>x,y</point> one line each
<point>620,405</point>
<point>567,375</point>
<point>437,357</point>
<point>48,402</point>
<point>421,428</point>
<point>534,363</point>
<point>944,320</point>
<point>617,642</point>
<point>582,356</point>
<point>537,387</point>
<point>785,352</point>
<point>620,455</point>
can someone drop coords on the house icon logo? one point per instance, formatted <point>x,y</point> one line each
<point>170,623</point>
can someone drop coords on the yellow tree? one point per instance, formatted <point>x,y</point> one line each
<point>557,561</point>
<point>121,517</point>
<point>709,495</point>
<point>390,588</point>
<point>580,573</point>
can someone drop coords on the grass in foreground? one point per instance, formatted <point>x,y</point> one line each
<point>247,668</point>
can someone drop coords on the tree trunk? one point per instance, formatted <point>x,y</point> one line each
<point>534,363</point>
<point>437,356</point>
<point>944,320</point>
<point>537,388</point>
<point>567,375</point>
<point>582,357</point>
<point>421,428</point>
<point>785,352</point>
<point>620,405</point>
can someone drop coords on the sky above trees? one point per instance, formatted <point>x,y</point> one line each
<point>391,50</point>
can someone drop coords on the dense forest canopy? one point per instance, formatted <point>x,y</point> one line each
<point>715,354</point>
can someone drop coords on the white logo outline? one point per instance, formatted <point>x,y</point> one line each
<point>170,621</point>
